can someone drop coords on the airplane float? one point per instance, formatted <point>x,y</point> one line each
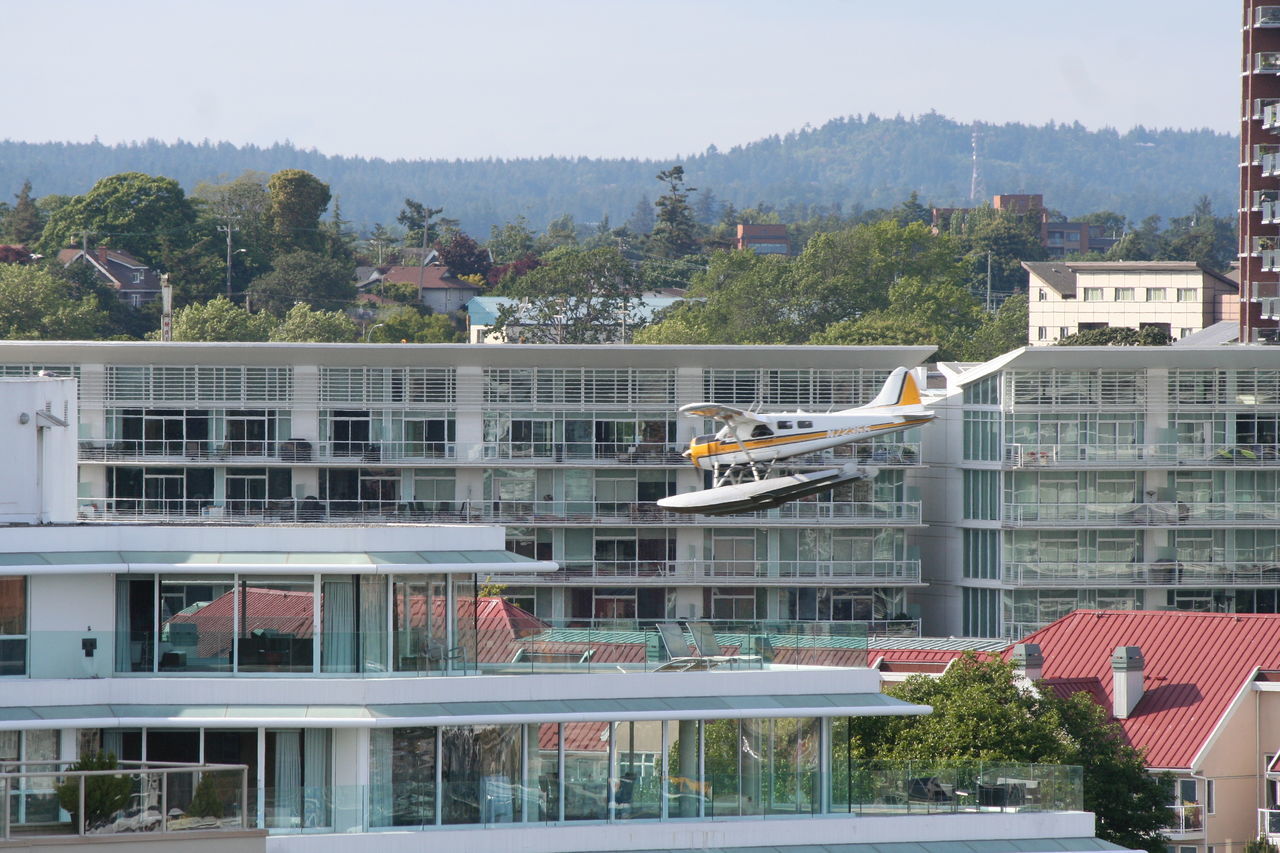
<point>745,455</point>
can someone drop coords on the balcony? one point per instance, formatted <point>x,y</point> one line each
<point>1267,16</point>
<point>1269,825</point>
<point>453,453</point>
<point>1151,514</point>
<point>1077,456</point>
<point>1070,575</point>
<point>1269,260</point>
<point>557,513</point>
<point>1270,212</point>
<point>710,572</point>
<point>1271,116</point>
<point>170,804</point>
<point>1188,821</point>
<point>1266,63</point>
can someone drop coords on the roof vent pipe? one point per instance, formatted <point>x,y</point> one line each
<point>1127,680</point>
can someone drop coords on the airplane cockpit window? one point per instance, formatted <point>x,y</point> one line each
<point>704,439</point>
<point>784,424</point>
<point>806,424</point>
<point>761,431</point>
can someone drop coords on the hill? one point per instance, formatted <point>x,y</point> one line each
<point>846,164</point>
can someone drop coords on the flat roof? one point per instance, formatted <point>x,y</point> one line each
<point>275,562</point>
<point>449,355</point>
<point>465,713</point>
<point>1001,845</point>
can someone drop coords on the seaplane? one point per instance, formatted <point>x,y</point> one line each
<point>748,457</point>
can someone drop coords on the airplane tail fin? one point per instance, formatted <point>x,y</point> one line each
<point>899,390</point>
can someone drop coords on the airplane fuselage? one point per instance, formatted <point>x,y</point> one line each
<point>784,435</point>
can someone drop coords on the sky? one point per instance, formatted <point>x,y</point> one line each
<point>470,79</point>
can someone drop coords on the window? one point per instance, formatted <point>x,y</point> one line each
<point>1208,799</point>
<point>1184,332</point>
<point>981,612</point>
<point>1042,296</point>
<point>805,424</point>
<point>1188,294</point>
<point>1156,294</point>
<point>1093,294</point>
<point>1124,294</point>
<point>981,435</point>
<point>1042,334</point>
<point>13,626</point>
<point>980,495</point>
<point>783,425</point>
<point>980,554</point>
<point>1064,331</point>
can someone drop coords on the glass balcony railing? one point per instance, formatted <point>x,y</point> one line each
<point>1266,63</point>
<point>1269,260</point>
<point>1269,824</point>
<point>1270,164</point>
<point>545,646</point>
<point>1154,514</point>
<point>594,454</point>
<point>1188,819</point>
<point>1071,574</point>
<point>50,798</point>
<point>288,511</point>
<point>1126,455</point>
<point>1270,212</point>
<point>1267,16</point>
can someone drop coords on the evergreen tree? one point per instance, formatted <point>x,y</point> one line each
<point>23,222</point>
<point>675,231</point>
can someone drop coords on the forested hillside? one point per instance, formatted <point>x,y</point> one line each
<point>845,165</point>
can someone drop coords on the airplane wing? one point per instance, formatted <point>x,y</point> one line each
<point>727,414</point>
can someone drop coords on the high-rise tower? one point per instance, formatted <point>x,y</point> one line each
<point>1260,172</point>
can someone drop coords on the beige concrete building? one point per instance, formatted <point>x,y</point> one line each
<point>1181,297</point>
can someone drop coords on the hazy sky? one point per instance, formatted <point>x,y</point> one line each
<point>645,78</point>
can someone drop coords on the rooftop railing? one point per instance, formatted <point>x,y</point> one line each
<point>758,572</point>
<point>54,799</point>
<point>558,513</point>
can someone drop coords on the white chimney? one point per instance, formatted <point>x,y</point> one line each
<point>1126,680</point>
<point>1028,661</point>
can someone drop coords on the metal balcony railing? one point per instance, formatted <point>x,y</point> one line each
<point>1129,455</point>
<point>288,510</point>
<point>47,798</point>
<point>1154,514</point>
<point>1070,574</point>
<point>522,453</point>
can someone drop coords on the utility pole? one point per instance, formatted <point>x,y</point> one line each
<point>228,228</point>
<point>988,281</point>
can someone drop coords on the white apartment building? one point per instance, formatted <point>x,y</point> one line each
<point>1120,478</point>
<point>1180,297</point>
<point>567,446</point>
<point>318,687</point>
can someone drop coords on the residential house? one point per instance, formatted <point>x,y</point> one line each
<point>133,280</point>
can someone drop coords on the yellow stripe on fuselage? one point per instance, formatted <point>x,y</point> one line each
<point>712,449</point>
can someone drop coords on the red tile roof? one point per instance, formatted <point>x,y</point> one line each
<point>433,277</point>
<point>1195,665</point>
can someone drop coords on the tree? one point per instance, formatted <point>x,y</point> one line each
<point>416,219</point>
<point>1118,336</point>
<point>37,304</point>
<point>675,230</point>
<point>577,296</point>
<point>103,795</point>
<point>243,205</point>
<point>940,313</point>
<point>561,231</point>
<point>23,222</point>
<point>131,211</point>
<point>297,200</point>
<point>303,276</point>
<point>982,712</point>
<point>740,298</point>
<point>1001,332</point>
<point>641,220</point>
<point>219,319</point>
<point>409,325</point>
<point>302,324</point>
<point>511,241</point>
<point>1201,237</point>
<point>1008,239</point>
<point>463,255</point>
<point>912,210</point>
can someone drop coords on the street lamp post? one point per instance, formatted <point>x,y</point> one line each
<point>369,331</point>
